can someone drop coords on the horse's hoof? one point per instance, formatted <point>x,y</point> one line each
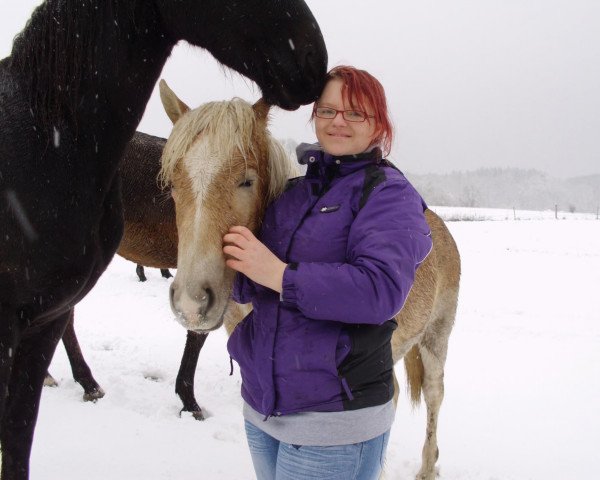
<point>93,395</point>
<point>197,414</point>
<point>49,381</point>
<point>428,475</point>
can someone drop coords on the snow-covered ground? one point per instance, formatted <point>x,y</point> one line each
<point>522,377</point>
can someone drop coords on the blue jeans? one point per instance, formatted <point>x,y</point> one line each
<point>275,460</point>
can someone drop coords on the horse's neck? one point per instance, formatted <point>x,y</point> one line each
<point>128,69</point>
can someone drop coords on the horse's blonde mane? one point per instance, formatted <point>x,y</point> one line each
<point>228,127</point>
<point>281,168</point>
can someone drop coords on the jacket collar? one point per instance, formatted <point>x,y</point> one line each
<point>322,164</point>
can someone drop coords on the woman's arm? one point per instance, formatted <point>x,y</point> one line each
<point>387,241</point>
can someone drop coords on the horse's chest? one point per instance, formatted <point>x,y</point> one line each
<point>63,233</point>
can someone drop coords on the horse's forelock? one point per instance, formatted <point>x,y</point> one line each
<point>226,126</point>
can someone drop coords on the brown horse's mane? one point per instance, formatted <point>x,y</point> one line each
<point>229,126</point>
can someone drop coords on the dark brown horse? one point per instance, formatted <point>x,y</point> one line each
<point>72,93</point>
<point>142,240</point>
<point>149,238</point>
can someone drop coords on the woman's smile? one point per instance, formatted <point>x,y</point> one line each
<point>337,135</point>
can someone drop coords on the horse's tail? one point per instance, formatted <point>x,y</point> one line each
<point>414,374</point>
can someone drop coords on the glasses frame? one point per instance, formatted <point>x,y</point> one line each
<point>343,112</point>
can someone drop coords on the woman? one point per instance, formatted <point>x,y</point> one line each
<point>335,262</point>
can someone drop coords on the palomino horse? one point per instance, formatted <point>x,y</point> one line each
<point>71,95</point>
<point>224,168</point>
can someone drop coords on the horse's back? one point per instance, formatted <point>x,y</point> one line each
<point>139,170</point>
<point>447,258</point>
<point>150,231</point>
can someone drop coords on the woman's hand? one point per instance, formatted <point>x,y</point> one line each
<point>250,257</point>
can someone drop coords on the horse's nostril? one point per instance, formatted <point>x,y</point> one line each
<point>211,298</point>
<point>207,300</point>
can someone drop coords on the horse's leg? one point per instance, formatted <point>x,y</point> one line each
<point>9,340</point>
<point>81,371</point>
<point>396,389</point>
<point>165,273</point>
<point>433,349</point>
<point>184,385</point>
<point>18,422</point>
<point>140,273</point>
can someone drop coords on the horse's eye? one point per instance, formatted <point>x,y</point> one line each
<point>246,183</point>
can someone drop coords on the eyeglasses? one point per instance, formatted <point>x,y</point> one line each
<point>349,115</point>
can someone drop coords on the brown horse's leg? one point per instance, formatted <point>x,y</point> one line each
<point>81,371</point>
<point>140,273</point>
<point>165,273</point>
<point>18,422</point>
<point>184,385</point>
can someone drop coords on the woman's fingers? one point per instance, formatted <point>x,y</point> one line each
<point>243,231</point>
<point>235,252</point>
<point>235,239</point>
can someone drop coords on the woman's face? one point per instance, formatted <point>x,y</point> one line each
<point>337,135</point>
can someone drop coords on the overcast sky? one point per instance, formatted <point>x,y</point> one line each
<point>470,83</point>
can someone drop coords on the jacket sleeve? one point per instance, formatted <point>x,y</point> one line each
<point>387,241</point>
<point>243,289</point>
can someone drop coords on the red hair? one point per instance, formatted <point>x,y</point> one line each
<point>363,91</point>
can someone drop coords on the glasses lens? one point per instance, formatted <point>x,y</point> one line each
<point>355,115</point>
<point>324,112</point>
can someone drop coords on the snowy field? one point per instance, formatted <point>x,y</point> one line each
<point>522,377</point>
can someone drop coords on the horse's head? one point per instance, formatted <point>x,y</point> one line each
<point>276,43</point>
<point>223,166</point>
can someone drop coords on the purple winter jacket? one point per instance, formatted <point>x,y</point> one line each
<point>353,233</point>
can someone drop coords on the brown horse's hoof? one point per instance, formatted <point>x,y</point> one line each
<point>197,414</point>
<point>49,381</point>
<point>93,395</point>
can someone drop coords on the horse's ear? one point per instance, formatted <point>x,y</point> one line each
<point>261,109</point>
<point>174,107</point>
